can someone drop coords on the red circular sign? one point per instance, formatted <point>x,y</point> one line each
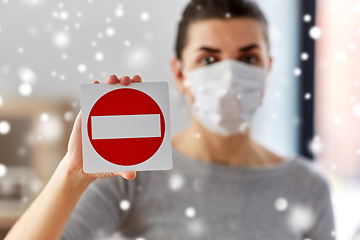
<point>126,151</point>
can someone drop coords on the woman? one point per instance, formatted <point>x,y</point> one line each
<point>223,185</point>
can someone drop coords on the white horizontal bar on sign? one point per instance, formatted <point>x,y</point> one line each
<point>126,126</point>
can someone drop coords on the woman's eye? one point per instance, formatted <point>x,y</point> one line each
<point>208,60</point>
<point>250,59</point>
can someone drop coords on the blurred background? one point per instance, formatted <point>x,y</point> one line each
<point>49,48</point>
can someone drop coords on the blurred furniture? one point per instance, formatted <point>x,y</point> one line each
<point>30,151</point>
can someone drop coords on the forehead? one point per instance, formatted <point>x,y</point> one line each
<point>234,32</point>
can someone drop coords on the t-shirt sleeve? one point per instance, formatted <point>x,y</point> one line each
<point>323,227</point>
<point>97,213</point>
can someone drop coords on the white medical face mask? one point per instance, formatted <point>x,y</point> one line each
<point>227,94</point>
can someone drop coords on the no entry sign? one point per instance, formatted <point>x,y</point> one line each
<point>126,128</point>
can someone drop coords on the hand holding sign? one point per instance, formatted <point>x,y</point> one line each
<point>74,157</point>
<point>126,127</point>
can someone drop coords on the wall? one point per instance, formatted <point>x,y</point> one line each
<point>50,48</point>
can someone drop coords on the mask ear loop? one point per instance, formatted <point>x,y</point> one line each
<point>186,82</point>
<point>185,72</point>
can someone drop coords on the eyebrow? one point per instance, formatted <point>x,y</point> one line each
<point>243,49</point>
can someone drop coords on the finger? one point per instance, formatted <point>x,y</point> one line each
<point>125,80</point>
<point>129,175</point>
<point>95,82</point>
<point>112,79</point>
<point>136,78</point>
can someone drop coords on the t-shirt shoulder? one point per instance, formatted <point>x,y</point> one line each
<point>309,169</point>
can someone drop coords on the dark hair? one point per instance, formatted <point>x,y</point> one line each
<point>221,9</point>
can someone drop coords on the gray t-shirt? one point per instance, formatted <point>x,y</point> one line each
<point>202,200</point>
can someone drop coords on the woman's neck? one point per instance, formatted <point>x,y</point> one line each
<point>238,150</point>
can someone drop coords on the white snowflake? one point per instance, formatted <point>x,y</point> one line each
<point>61,39</point>
<point>300,218</point>
<point>145,16</point>
<point>307,17</point>
<point>63,15</point>
<point>190,212</point>
<point>110,32</point>
<point>81,68</point>
<point>316,145</point>
<point>281,204</point>
<point>69,116</point>
<point>304,56</point>
<point>297,71</point>
<point>4,127</point>
<point>27,75</point>
<point>315,32</point>
<point>356,110</point>
<point>124,205</point>
<point>3,170</point>
<point>99,56</point>
<point>52,129</point>
<point>44,117</point>
<point>119,12</point>
<point>340,56</point>
<point>36,185</point>
<point>25,89</point>
<point>337,120</point>
<point>127,43</point>
<point>176,182</point>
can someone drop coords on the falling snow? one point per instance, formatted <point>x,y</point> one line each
<point>144,16</point>
<point>356,110</point>
<point>176,182</point>
<point>99,56</point>
<point>281,204</point>
<point>27,75</point>
<point>127,43</point>
<point>110,32</point>
<point>51,129</point>
<point>307,17</point>
<point>337,120</point>
<point>36,185</point>
<point>190,212</point>
<point>304,56</point>
<point>44,117</point>
<point>4,127</point>
<point>187,83</point>
<point>340,56</point>
<point>63,15</point>
<point>61,39</point>
<point>316,145</point>
<point>300,218</point>
<point>25,89</point>
<point>81,68</point>
<point>3,169</point>
<point>297,71</point>
<point>119,12</point>
<point>124,205</point>
<point>315,32</point>
<point>69,116</point>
